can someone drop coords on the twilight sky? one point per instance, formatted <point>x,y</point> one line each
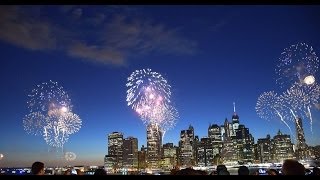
<point>212,56</point>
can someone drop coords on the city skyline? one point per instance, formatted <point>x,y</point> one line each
<point>211,56</point>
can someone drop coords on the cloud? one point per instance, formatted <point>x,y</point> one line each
<point>77,13</point>
<point>218,26</point>
<point>66,8</point>
<point>27,33</point>
<point>318,106</point>
<point>97,19</point>
<point>106,38</point>
<point>96,54</point>
<point>145,36</point>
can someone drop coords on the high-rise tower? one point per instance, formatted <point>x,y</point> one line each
<point>235,118</point>
<point>115,150</point>
<point>154,143</point>
<point>301,146</point>
<point>186,146</point>
<point>130,153</point>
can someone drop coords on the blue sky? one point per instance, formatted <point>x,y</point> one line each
<point>212,56</point>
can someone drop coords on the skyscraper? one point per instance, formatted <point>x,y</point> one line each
<point>301,146</point>
<point>186,147</point>
<point>115,150</point>
<point>142,158</point>
<point>130,153</point>
<point>154,143</point>
<point>235,118</point>
<point>205,152</point>
<point>214,134</point>
<point>237,141</point>
<point>264,149</point>
<point>169,159</point>
<point>281,147</point>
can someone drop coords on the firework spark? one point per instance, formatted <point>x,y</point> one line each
<point>47,96</point>
<point>70,156</point>
<point>1,156</point>
<point>51,114</point>
<point>270,106</point>
<point>71,122</point>
<point>149,95</point>
<point>60,125</point>
<point>34,123</point>
<point>295,64</point>
<point>301,98</point>
<point>164,116</point>
<point>142,83</point>
<point>167,118</point>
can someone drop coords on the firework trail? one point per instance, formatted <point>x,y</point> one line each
<point>70,156</point>
<point>270,106</point>
<point>149,95</point>
<point>51,114</point>
<point>295,64</point>
<point>301,98</point>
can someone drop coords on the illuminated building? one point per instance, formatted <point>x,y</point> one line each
<point>115,150</point>
<point>264,149</point>
<point>301,146</point>
<point>281,147</point>
<point>186,147</point>
<point>154,143</point>
<point>130,153</point>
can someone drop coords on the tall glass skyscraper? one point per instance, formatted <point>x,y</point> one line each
<point>154,143</point>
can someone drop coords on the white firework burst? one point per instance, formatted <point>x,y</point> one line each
<point>142,83</point>
<point>149,95</point>
<point>70,156</point>
<point>47,96</point>
<point>51,114</point>
<point>295,64</point>
<point>271,106</point>
<point>301,98</point>
<point>34,123</point>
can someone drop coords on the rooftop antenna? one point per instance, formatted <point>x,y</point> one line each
<point>234,107</point>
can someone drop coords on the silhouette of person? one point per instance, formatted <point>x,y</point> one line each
<point>100,172</point>
<point>292,167</point>
<point>79,172</point>
<point>220,168</point>
<point>224,172</point>
<point>243,170</point>
<point>37,168</point>
<point>316,171</point>
<point>273,172</point>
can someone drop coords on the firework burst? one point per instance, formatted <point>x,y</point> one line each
<point>51,114</point>
<point>142,84</point>
<point>295,64</point>
<point>167,118</point>
<point>270,106</point>
<point>149,95</point>
<point>34,123</point>
<point>301,98</point>
<point>164,116</point>
<point>48,96</point>
<point>70,156</point>
<point>60,125</point>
